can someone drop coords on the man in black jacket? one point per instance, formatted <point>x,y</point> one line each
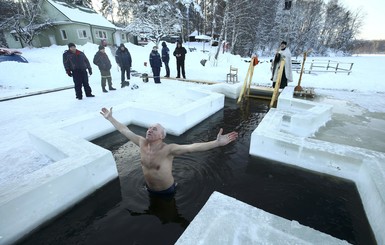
<point>103,62</point>
<point>180,53</point>
<point>123,58</point>
<point>76,65</point>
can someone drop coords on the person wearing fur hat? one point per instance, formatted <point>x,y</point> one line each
<point>103,62</point>
<point>155,63</point>
<point>76,65</point>
<point>166,58</point>
<point>124,61</point>
<point>180,53</point>
<point>283,52</point>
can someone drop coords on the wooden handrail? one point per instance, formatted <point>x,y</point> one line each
<point>277,83</point>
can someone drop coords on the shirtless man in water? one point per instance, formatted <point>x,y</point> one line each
<point>157,157</point>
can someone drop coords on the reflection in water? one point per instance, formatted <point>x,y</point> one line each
<point>165,209</point>
<point>322,202</point>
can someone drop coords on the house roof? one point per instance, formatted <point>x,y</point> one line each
<point>194,33</point>
<point>81,14</point>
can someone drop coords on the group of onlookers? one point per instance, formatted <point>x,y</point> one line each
<point>76,65</point>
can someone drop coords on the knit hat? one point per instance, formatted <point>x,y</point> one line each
<point>155,47</point>
<point>284,42</point>
<point>122,45</point>
<point>164,44</point>
<point>101,47</point>
<point>71,45</point>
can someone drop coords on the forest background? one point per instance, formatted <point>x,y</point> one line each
<point>249,26</point>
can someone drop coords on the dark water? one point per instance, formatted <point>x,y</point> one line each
<point>123,213</point>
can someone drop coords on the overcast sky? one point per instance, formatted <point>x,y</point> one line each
<point>373,28</point>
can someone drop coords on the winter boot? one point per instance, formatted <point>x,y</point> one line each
<point>110,85</point>
<point>104,85</point>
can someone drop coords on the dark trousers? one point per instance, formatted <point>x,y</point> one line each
<point>167,69</point>
<point>125,71</point>
<point>180,66</point>
<point>80,78</point>
<point>156,71</point>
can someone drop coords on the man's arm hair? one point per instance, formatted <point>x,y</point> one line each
<point>195,147</point>
<point>123,129</point>
<point>221,140</point>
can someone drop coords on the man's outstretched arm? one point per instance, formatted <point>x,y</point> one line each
<point>221,140</point>
<point>107,114</point>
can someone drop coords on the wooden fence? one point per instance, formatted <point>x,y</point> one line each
<point>323,66</point>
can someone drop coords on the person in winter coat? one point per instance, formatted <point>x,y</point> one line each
<point>287,75</point>
<point>123,59</point>
<point>103,62</point>
<point>155,63</point>
<point>166,58</point>
<point>76,65</point>
<point>180,53</point>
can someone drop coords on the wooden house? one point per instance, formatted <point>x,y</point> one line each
<point>71,22</point>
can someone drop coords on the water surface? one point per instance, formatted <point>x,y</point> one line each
<point>123,213</point>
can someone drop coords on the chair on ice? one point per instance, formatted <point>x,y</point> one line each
<point>232,76</point>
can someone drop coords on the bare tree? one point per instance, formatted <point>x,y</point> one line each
<point>306,24</point>
<point>26,21</point>
<point>156,20</point>
<point>7,8</point>
<point>107,9</point>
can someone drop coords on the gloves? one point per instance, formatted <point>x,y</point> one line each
<point>90,71</point>
<point>69,73</point>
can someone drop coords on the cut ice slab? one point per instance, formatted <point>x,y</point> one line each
<point>225,220</point>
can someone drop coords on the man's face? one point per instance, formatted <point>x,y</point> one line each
<point>73,49</point>
<point>283,46</point>
<point>154,132</point>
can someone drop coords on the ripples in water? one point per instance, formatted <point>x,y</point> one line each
<point>323,203</point>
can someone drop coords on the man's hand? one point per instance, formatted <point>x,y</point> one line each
<point>106,113</point>
<point>90,71</point>
<point>227,138</point>
<point>69,73</point>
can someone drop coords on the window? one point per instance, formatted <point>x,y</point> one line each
<point>123,36</point>
<point>99,34</point>
<point>63,34</point>
<point>82,34</point>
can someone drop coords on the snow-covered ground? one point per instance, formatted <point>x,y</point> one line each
<point>44,71</point>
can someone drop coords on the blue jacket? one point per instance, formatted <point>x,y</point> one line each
<point>123,57</point>
<point>165,54</point>
<point>155,60</point>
